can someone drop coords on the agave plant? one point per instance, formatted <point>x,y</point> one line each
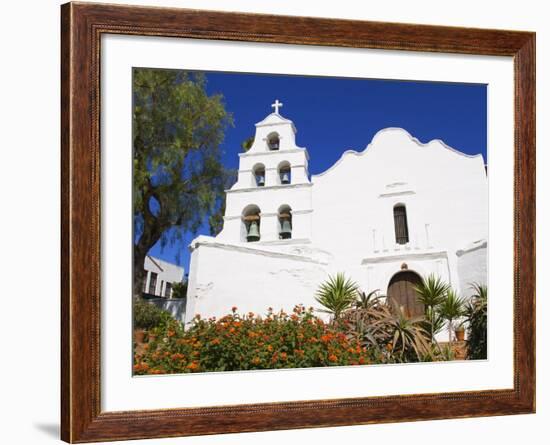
<point>409,340</point>
<point>476,318</point>
<point>366,301</point>
<point>337,294</point>
<point>451,309</point>
<point>431,293</point>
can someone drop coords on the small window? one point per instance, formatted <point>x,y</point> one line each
<point>168,290</point>
<point>401,226</point>
<point>153,283</point>
<point>273,141</point>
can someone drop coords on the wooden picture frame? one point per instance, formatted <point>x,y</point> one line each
<point>82,26</point>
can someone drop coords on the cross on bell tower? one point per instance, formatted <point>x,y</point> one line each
<point>277,105</point>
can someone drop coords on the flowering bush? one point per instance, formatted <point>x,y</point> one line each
<point>241,342</point>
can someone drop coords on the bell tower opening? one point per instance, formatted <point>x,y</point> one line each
<point>284,173</point>
<point>285,222</point>
<point>251,223</point>
<point>259,175</point>
<point>273,141</point>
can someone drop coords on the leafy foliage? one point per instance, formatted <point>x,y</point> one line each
<point>384,328</point>
<point>366,301</point>
<point>240,342</point>
<point>247,143</point>
<point>149,316</point>
<point>179,290</point>
<point>451,309</point>
<point>431,293</point>
<point>337,294</point>
<point>476,320</point>
<point>177,171</point>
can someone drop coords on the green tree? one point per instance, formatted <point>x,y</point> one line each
<point>247,143</point>
<point>179,290</point>
<point>178,176</point>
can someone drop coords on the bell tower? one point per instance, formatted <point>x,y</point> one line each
<point>271,200</point>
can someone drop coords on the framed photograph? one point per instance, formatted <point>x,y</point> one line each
<point>275,222</point>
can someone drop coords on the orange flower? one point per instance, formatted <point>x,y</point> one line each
<point>326,338</point>
<point>141,367</point>
<point>177,356</point>
<point>389,347</point>
<point>256,361</point>
<point>269,348</point>
<point>157,371</point>
<point>216,341</point>
<point>171,333</point>
<point>332,358</point>
<point>283,355</point>
<point>362,360</point>
<point>193,366</point>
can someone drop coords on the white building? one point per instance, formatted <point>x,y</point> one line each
<point>387,216</point>
<point>160,277</point>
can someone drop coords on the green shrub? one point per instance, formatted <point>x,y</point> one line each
<point>148,316</point>
<point>476,321</point>
<point>241,342</point>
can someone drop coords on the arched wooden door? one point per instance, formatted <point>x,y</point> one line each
<point>401,290</point>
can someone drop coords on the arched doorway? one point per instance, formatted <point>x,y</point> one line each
<point>401,290</point>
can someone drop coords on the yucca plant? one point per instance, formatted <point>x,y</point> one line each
<point>337,294</point>
<point>476,319</point>
<point>431,293</point>
<point>451,309</point>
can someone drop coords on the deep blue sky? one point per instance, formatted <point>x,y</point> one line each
<point>337,114</point>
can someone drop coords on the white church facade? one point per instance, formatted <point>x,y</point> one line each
<point>387,216</point>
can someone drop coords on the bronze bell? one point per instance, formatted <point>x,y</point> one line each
<point>286,230</point>
<point>285,178</point>
<point>253,232</point>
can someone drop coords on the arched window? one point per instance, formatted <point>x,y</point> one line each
<point>259,175</point>
<point>251,223</point>
<point>285,222</point>
<point>284,172</point>
<point>400,223</point>
<point>273,141</point>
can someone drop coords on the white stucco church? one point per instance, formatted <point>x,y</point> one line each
<point>387,216</point>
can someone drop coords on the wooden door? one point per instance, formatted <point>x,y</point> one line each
<point>401,290</point>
